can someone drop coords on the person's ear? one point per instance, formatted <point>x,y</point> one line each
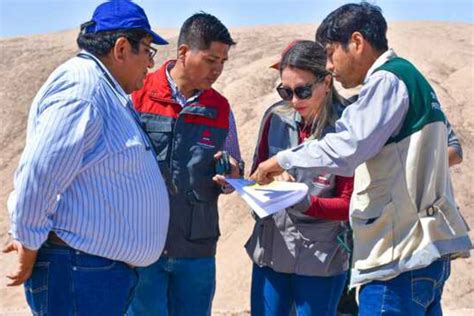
<point>183,51</point>
<point>358,42</point>
<point>328,82</point>
<point>121,49</point>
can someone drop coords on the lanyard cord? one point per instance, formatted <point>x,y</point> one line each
<point>146,139</point>
<point>129,107</point>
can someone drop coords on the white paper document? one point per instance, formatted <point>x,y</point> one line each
<point>271,198</point>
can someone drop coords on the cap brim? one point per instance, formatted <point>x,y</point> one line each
<point>276,65</point>
<point>157,39</point>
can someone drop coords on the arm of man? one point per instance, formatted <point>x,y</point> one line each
<point>25,263</point>
<point>361,132</point>
<point>52,157</point>
<point>454,146</point>
<point>231,145</point>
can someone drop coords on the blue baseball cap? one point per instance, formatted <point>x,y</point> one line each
<point>120,15</point>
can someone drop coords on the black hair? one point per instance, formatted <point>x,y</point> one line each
<point>201,29</point>
<point>363,17</point>
<point>101,43</point>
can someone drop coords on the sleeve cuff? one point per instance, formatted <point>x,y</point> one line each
<point>283,158</point>
<point>226,189</point>
<point>32,241</point>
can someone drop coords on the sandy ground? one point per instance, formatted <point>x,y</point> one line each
<point>444,52</point>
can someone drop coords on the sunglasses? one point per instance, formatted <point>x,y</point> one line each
<point>301,92</point>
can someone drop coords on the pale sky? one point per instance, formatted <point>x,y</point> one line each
<point>26,17</point>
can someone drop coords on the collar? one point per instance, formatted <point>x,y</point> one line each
<point>109,78</point>
<point>386,56</point>
<point>176,94</point>
<point>297,117</point>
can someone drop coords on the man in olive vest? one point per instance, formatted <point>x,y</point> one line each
<point>406,226</point>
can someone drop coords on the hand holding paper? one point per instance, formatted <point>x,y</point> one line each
<point>271,198</point>
<point>267,171</point>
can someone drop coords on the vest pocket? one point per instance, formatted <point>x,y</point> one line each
<point>160,132</point>
<point>204,219</point>
<point>259,246</point>
<point>321,258</point>
<point>318,251</point>
<point>160,144</point>
<point>373,239</point>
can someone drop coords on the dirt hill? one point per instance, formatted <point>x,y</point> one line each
<point>444,52</point>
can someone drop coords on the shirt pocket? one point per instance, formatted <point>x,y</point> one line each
<point>128,151</point>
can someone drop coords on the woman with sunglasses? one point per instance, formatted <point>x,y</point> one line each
<point>300,255</point>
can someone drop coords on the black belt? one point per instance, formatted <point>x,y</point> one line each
<point>55,240</point>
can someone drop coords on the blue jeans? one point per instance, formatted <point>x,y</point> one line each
<point>175,286</point>
<point>69,282</point>
<point>274,293</point>
<point>412,293</point>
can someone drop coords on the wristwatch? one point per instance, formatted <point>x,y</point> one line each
<point>241,168</point>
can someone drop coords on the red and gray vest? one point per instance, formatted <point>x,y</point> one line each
<point>185,141</point>
<point>290,241</point>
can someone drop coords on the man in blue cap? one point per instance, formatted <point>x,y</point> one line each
<point>89,202</point>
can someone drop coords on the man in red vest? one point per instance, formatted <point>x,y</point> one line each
<point>190,124</point>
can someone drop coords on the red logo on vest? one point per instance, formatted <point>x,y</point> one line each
<point>206,139</point>
<point>322,179</point>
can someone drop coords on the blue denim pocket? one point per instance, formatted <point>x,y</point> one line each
<point>101,286</point>
<point>447,270</point>
<point>423,291</point>
<point>36,289</point>
<point>85,262</point>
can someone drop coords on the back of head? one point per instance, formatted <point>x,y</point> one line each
<point>201,29</point>
<point>363,17</point>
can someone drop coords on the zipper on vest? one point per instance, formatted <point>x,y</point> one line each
<point>170,164</point>
<point>180,115</point>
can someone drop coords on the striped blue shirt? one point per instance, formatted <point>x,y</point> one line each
<point>87,171</point>
<point>231,144</point>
